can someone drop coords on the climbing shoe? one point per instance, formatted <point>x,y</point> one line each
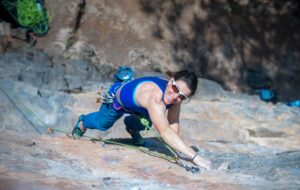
<point>77,132</point>
<point>137,139</point>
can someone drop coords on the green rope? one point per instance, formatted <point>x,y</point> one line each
<point>142,149</point>
<point>29,14</point>
<point>145,122</point>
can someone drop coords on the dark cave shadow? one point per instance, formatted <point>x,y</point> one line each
<point>237,26</point>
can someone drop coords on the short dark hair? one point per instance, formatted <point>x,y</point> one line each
<point>187,76</point>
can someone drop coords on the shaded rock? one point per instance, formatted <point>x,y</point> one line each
<point>5,42</point>
<point>209,90</point>
<point>263,132</point>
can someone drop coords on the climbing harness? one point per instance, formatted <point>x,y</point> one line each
<point>31,14</point>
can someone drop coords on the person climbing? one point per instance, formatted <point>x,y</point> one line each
<point>153,98</point>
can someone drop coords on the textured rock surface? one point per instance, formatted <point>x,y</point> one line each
<point>252,144</point>
<point>244,45</point>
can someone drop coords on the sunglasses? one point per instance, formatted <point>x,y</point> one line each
<point>176,89</point>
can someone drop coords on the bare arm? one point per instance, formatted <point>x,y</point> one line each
<point>158,116</point>
<point>173,117</point>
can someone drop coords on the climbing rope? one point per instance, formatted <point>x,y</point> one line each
<point>15,102</point>
<point>30,14</point>
<point>146,123</point>
<point>175,159</point>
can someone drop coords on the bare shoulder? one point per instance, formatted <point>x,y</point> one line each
<point>148,92</point>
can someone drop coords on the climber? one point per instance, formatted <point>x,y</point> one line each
<point>157,99</point>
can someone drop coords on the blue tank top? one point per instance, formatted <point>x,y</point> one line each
<point>127,93</point>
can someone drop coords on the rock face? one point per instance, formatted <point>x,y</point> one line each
<point>252,144</point>
<point>244,45</point>
<point>115,32</point>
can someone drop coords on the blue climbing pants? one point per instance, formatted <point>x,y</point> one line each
<point>107,116</point>
<point>103,119</point>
